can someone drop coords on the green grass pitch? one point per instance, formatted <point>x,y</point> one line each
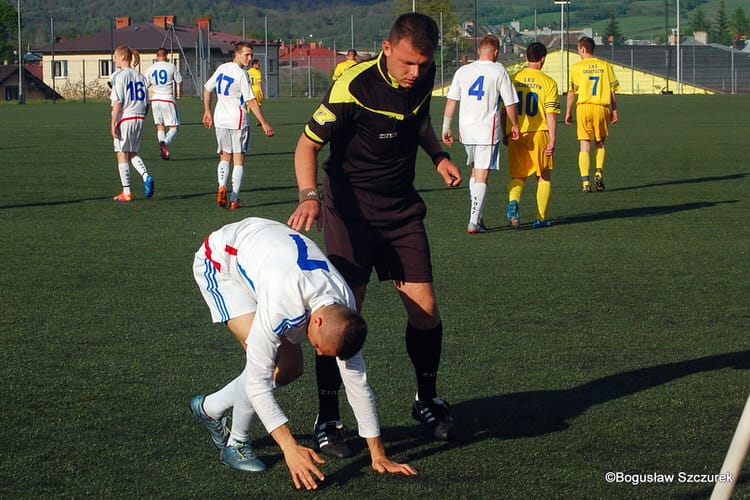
<point>614,341</point>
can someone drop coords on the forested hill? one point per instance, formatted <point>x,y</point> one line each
<point>328,20</point>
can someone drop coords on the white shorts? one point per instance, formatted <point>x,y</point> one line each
<point>164,110</point>
<point>131,135</point>
<point>225,296</point>
<point>483,156</point>
<point>232,140</point>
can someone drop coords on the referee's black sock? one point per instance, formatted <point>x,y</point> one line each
<point>424,348</point>
<point>329,384</point>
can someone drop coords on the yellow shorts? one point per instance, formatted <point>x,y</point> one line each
<point>258,96</point>
<point>526,155</point>
<point>592,121</point>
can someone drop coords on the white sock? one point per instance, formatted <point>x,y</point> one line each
<point>216,405</point>
<point>478,192</point>
<point>170,135</point>
<point>237,181</point>
<point>160,135</point>
<point>139,166</point>
<point>222,172</point>
<point>243,413</point>
<point>124,170</point>
<point>471,185</point>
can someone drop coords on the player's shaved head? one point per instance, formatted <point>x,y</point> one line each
<point>346,329</point>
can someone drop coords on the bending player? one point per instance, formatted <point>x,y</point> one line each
<point>273,287</point>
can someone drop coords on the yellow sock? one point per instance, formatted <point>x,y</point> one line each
<point>600,154</point>
<point>584,164</point>
<point>543,189</point>
<point>515,188</point>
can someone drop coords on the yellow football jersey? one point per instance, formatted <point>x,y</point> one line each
<point>537,96</point>
<point>255,77</point>
<point>593,80</point>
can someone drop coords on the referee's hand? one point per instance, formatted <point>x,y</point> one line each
<point>305,214</point>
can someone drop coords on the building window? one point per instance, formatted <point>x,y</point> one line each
<point>60,68</point>
<point>105,67</point>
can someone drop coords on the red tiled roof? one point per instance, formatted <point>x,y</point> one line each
<point>143,37</point>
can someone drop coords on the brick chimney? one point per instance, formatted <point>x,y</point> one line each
<point>122,22</point>
<point>164,22</point>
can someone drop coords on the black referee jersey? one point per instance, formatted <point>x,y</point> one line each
<point>373,129</point>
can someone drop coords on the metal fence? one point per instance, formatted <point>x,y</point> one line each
<point>640,70</point>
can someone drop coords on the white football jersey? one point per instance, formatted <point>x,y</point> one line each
<point>162,76</point>
<point>129,89</point>
<point>482,87</point>
<point>232,87</point>
<point>290,277</point>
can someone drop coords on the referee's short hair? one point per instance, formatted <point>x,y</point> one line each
<point>419,29</point>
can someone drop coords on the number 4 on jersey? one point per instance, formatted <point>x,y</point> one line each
<point>477,88</point>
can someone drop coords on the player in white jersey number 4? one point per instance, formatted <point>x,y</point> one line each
<point>482,87</point>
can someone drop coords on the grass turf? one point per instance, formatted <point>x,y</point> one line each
<point>616,340</point>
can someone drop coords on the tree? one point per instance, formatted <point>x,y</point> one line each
<point>434,8</point>
<point>698,21</point>
<point>722,33</point>
<point>8,31</point>
<point>612,31</point>
<point>739,22</point>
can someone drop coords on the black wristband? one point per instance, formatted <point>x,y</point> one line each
<point>439,156</point>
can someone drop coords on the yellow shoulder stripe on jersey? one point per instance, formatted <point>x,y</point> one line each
<point>313,136</point>
<point>340,93</point>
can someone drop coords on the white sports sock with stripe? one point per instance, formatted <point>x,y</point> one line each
<point>139,166</point>
<point>124,170</point>
<point>222,172</point>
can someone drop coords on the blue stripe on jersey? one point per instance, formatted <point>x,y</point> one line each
<point>212,287</point>
<point>288,323</point>
<point>244,275</point>
<point>303,261</point>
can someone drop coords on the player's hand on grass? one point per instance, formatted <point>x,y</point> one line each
<point>304,215</point>
<point>382,465</point>
<point>299,460</point>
